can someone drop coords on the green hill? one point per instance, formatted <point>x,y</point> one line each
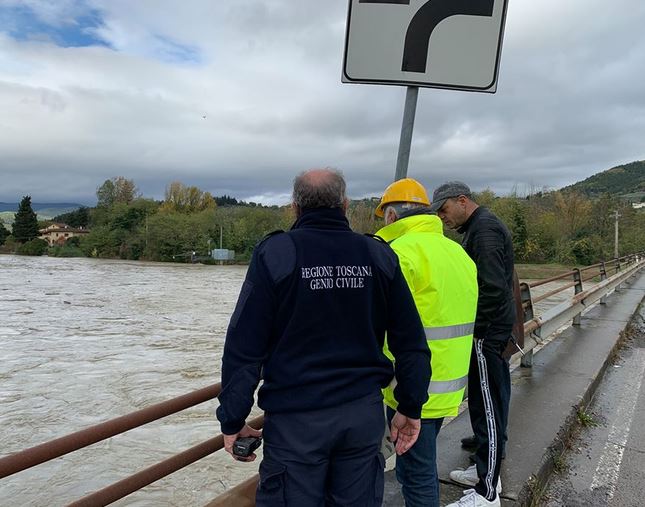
<point>6,217</point>
<point>44,211</point>
<point>627,181</point>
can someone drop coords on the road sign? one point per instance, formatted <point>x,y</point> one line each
<point>453,44</point>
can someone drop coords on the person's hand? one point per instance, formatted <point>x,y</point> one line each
<point>404,431</point>
<point>246,431</point>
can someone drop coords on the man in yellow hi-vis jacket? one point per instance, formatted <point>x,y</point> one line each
<point>443,282</point>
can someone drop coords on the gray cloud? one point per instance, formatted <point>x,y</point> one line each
<point>237,97</point>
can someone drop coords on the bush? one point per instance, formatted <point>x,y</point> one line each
<point>66,251</point>
<point>73,241</point>
<point>4,233</point>
<point>9,245</point>
<point>34,247</point>
<point>583,252</point>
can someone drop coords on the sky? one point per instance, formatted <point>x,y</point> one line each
<point>237,97</point>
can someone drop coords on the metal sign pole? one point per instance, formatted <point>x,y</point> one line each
<point>406,132</point>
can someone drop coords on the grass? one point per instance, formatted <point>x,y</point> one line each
<point>536,492</point>
<point>560,464</point>
<point>540,271</point>
<point>586,419</point>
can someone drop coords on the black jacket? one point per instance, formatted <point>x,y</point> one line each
<point>311,319</point>
<point>488,242</point>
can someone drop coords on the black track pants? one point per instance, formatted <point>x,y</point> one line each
<point>489,393</point>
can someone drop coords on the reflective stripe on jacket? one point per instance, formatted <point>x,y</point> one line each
<point>443,282</point>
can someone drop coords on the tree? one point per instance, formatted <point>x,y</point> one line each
<point>519,230</point>
<point>361,216</point>
<point>226,200</point>
<point>116,190</point>
<point>583,252</point>
<point>105,194</point>
<point>485,198</point>
<point>79,218</point>
<point>25,225</point>
<point>4,233</point>
<point>573,212</point>
<point>185,199</point>
<point>125,191</point>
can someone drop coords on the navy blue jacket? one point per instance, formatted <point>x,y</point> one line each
<point>311,321</point>
<point>488,242</point>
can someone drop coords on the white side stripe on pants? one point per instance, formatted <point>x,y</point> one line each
<point>490,420</point>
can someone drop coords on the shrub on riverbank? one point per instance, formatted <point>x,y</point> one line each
<point>66,251</point>
<point>33,247</point>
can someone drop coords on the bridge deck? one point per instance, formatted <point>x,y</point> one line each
<point>544,401</point>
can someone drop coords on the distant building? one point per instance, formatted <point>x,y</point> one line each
<point>638,205</point>
<point>57,233</point>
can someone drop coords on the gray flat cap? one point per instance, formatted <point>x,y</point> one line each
<point>444,192</point>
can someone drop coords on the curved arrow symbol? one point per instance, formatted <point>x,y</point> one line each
<point>429,15</point>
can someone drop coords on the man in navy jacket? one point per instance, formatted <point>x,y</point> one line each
<point>310,322</point>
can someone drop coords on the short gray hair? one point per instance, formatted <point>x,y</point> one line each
<point>319,188</point>
<point>402,207</point>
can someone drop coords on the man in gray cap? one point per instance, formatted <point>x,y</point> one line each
<point>488,242</point>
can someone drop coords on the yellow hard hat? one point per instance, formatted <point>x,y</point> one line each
<point>405,190</point>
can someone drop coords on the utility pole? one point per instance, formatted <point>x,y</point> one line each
<point>221,262</point>
<point>616,217</point>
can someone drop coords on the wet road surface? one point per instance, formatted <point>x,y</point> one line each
<point>605,465</point>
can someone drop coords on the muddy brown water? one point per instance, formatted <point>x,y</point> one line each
<point>86,340</point>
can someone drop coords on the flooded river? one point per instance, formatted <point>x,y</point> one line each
<point>83,341</point>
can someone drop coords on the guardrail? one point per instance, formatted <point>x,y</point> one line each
<point>536,329</point>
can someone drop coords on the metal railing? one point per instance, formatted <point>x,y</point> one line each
<point>75,441</point>
<point>53,449</point>
<point>536,329</point>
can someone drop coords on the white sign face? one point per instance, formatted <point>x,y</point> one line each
<point>452,44</point>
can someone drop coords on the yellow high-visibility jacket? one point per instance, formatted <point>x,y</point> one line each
<point>443,282</point>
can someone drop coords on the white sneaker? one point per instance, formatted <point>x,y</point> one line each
<point>472,499</point>
<point>469,477</point>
